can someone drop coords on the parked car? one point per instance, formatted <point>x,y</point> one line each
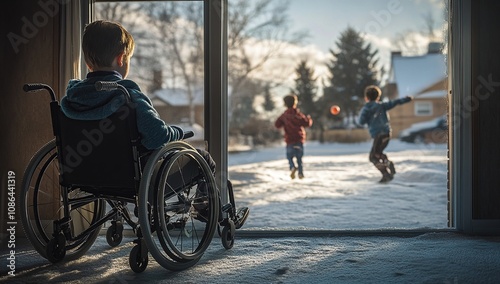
<point>432,131</point>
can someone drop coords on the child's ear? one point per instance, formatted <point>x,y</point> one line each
<point>120,59</point>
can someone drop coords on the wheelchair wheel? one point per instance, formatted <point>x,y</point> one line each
<point>114,234</point>
<point>137,263</point>
<point>56,248</point>
<point>227,235</point>
<point>41,204</point>
<point>180,187</point>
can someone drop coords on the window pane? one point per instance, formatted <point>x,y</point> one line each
<point>168,60</point>
<point>423,108</point>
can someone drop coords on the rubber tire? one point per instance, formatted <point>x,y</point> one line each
<point>227,235</point>
<point>56,249</point>
<point>148,181</point>
<point>114,234</point>
<point>137,264</point>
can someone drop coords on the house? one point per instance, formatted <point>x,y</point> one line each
<point>174,107</point>
<point>423,77</point>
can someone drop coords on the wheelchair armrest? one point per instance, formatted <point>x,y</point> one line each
<point>188,134</point>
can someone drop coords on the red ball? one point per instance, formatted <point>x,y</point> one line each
<point>335,109</point>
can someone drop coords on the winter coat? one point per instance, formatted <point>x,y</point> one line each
<point>84,102</point>
<point>374,113</point>
<point>293,122</point>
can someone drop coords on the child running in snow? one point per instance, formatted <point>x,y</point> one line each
<point>374,113</point>
<point>293,122</point>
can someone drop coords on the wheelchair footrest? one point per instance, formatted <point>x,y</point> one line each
<point>226,208</point>
<point>241,217</point>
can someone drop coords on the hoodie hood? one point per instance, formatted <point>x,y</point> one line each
<point>84,102</point>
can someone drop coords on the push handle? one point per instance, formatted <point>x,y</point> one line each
<point>111,86</point>
<point>106,86</point>
<point>33,87</point>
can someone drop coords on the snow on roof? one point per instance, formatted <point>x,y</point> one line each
<point>413,74</point>
<point>178,97</point>
<point>433,94</point>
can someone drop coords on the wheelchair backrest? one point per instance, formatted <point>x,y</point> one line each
<point>99,153</point>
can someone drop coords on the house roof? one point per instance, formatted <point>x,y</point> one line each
<point>177,97</point>
<point>414,74</point>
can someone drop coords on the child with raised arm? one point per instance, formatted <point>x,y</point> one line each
<point>293,123</point>
<point>374,113</point>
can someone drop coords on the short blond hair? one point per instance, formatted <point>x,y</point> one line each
<point>103,41</point>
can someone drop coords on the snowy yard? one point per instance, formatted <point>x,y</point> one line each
<point>341,190</point>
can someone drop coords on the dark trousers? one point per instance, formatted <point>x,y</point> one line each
<point>296,151</point>
<point>377,156</point>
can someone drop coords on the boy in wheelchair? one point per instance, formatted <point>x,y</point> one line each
<point>107,48</point>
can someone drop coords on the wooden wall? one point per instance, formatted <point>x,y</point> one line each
<point>30,54</point>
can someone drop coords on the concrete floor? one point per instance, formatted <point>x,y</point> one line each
<point>285,257</point>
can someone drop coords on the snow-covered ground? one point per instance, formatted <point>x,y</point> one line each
<point>341,190</point>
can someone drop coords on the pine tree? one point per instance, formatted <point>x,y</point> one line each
<point>352,68</point>
<point>305,88</point>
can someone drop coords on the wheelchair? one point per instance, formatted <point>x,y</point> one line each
<point>93,170</point>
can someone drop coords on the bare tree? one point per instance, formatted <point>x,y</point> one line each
<point>430,24</point>
<point>261,26</point>
<point>132,17</point>
<point>410,41</point>
<point>180,38</point>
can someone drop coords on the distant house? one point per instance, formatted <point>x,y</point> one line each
<point>423,77</point>
<point>173,105</point>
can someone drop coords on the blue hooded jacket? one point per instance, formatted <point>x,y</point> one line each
<point>374,113</point>
<point>84,102</point>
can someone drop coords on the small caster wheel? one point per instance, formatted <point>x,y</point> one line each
<point>114,234</point>
<point>137,263</point>
<point>227,235</point>
<point>56,248</point>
